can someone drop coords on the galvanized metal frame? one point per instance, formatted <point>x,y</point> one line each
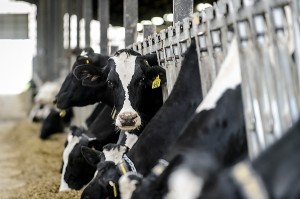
<point>270,77</point>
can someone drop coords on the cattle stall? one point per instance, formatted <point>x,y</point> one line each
<point>268,35</point>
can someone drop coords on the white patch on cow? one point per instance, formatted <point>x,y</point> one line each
<point>72,141</point>
<point>127,186</point>
<point>228,78</point>
<point>40,113</point>
<point>115,154</point>
<point>130,139</point>
<point>84,54</point>
<point>46,94</point>
<point>125,67</point>
<point>184,184</point>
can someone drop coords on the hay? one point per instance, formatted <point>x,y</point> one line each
<point>39,163</point>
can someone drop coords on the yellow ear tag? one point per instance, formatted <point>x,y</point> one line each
<point>115,191</point>
<point>156,82</point>
<point>87,61</point>
<point>62,113</point>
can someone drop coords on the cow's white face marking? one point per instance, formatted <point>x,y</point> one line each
<point>228,78</point>
<point>115,154</point>
<point>84,54</point>
<point>125,67</point>
<point>127,186</point>
<point>184,184</point>
<point>72,141</point>
<point>130,139</point>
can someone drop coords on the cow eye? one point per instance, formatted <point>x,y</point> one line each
<point>110,84</point>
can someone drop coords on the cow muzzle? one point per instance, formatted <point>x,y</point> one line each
<point>128,121</point>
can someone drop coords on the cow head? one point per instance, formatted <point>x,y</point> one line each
<point>55,122</point>
<point>104,183</point>
<point>76,172</point>
<point>126,76</point>
<point>72,93</point>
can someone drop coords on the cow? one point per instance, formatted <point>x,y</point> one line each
<point>273,174</point>
<point>53,121</point>
<point>210,131</point>
<point>158,135</point>
<point>56,122</point>
<point>72,93</point>
<point>134,85</point>
<point>75,177</point>
<point>106,134</point>
<point>101,131</point>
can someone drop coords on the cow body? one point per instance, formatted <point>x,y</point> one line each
<point>211,132</point>
<point>163,129</point>
<point>273,174</point>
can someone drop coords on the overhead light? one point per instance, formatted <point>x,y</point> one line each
<point>157,21</point>
<point>146,22</point>
<point>139,27</point>
<point>168,17</point>
<point>203,6</point>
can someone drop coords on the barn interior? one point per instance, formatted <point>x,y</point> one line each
<point>41,39</point>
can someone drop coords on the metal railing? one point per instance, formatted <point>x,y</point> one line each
<point>268,33</point>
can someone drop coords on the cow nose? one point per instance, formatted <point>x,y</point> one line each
<point>127,119</point>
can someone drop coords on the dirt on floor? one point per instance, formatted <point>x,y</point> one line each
<point>29,166</point>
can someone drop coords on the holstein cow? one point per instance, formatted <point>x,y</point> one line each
<point>44,111</point>
<point>72,93</point>
<point>217,128</point>
<point>101,131</point>
<point>273,174</point>
<point>157,137</point>
<point>56,122</point>
<point>147,109</point>
<point>132,82</point>
<point>75,173</point>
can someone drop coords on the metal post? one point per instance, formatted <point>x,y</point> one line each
<point>103,17</point>
<point>182,9</point>
<point>79,16</point>
<point>130,21</point>
<point>87,17</point>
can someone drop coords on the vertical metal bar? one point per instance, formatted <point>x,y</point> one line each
<point>182,9</point>
<point>103,17</point>
<point>79,16</point>
<point>87,18</point>
<point>130,21</point>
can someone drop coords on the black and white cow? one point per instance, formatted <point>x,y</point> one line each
<point>158,136</point>
<point>104,121</point>
<point>273,174</point>
<point>75,173</point>
<point>72,93</point>
<point>217,128</point>
<point>133,84</point>
<point>101,131</point>
<point>56,122</point>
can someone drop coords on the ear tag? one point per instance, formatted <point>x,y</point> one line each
<point>93,148</point>
<point>156,82</point>
<point>62,113</point>
<point>87,61</point>
<point>113,113</point>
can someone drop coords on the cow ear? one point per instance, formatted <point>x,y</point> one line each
<point>93,157</point>
<point>90,75</point>
<point>156,76</point>
<point>95,144</point>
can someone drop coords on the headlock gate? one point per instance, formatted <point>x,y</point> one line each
<point>268,34</point>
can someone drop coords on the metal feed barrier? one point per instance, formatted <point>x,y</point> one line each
<point>268,33</point>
